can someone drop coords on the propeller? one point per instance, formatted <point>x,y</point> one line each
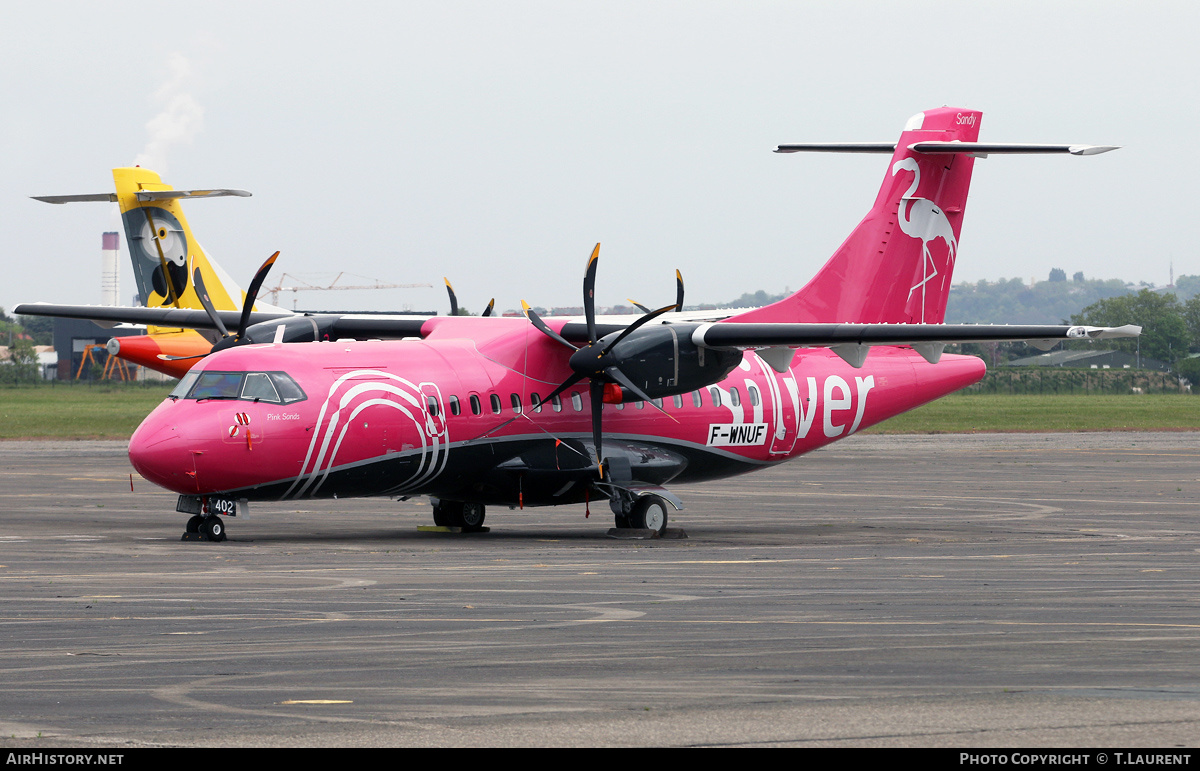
<point>678,296</point>
<point>596,361</point>
<point>454,300</point>
<point>227,340</point>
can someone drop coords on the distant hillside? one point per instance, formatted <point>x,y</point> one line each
<point>1011,301</point>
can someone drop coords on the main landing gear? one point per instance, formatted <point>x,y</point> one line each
<point>468,516</point>
<point>648,512</point>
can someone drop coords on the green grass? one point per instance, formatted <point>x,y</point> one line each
<point>976,413</point>
<point>113,412</point>
<point>76,411</point>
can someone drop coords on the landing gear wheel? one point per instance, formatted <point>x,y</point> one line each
<point>443,514</point>
<point>649,512</point>
<point>468,516</point>
<point>622,521</point>
<point>193,524</point>
<point>213,529</point>
<point>472,516</point>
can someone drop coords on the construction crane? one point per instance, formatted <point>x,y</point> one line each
<point>305,286</point>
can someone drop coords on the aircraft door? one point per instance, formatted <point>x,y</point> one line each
<point>785,408</point>
<point>435,413</point>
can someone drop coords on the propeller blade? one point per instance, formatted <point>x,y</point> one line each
<point>453,297</point>
<point>623,381</point>
<point>252,293</point>
<point>589,293</point>
<point>206,301</point>
<point>641,320</point>
<point>165,357</point>
<point>637,305</point>
<point>537,322</point>
<point>491,305</point>
<point>572,380</point>
<point>678,291</point>
<point>596,392</point>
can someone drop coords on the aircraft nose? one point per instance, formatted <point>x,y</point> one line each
<point>159,453</point>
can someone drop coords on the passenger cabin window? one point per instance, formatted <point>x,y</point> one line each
<point>496,403</point>
<point>433,405</point>
<point>556,403</point>
<point>516,404</point>
<point>696,399</point>
<point>754,400</point>
<point>716,396</point>
<point>476,407</point>
<point>536,401</point>
<point>577,402</point>
<point>455,407</point>
<point>735,396</point>
<point>678,399</point>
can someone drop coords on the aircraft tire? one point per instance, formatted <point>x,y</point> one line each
<point>213,529</point>
<point>468,516</point>
<point>443,514</point>
<point>193,524</point>
<point>650,512</point>
<point>471,516</point>
<point>621,521</point>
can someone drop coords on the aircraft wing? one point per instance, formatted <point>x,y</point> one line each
<point>852,341</point>
<point>356,325</point>
<point>111,315</point>
<point>775,341</point>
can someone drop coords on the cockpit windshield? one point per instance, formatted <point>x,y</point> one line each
<point>271,387</point>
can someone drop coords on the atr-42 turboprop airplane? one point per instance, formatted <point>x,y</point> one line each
<point>528,411</point>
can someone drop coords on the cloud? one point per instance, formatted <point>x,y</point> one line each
<point>180,119</point>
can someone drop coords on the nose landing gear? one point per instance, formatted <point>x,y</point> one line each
<point>207,522</point>
<point>199,528</point>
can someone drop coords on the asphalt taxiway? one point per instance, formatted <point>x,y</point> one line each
<point>993,590</point>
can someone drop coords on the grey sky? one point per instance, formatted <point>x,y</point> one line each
<point>496,142</point>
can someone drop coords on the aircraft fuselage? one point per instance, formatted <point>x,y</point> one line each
<point>459,415</point>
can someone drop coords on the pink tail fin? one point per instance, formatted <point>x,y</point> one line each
<point>897,264</point>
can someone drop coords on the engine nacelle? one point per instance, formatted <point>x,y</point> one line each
<point>296,329</point>
<point>663,361</point>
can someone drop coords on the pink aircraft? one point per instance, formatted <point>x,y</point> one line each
<point>515,412</point>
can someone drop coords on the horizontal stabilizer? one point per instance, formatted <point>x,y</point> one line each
<point>163,195</point>
<point>839,147</point>
<point>97,197</point>
<point>978,149</point>
<point>145,195</point>
<point>983,149</point>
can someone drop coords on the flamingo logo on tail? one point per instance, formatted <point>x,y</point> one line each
<point>922,218</point>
